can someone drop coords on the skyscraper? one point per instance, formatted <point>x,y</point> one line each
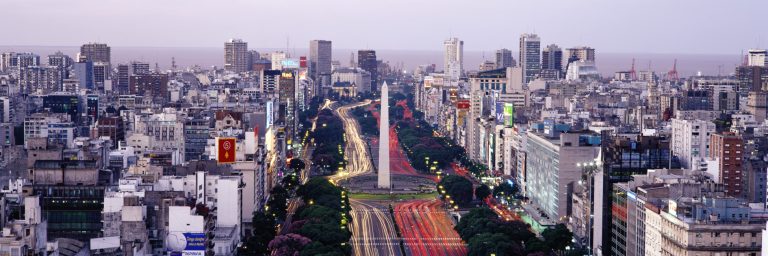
<point>552,58</point>
<point>530,56</point>
<point>320,61</point>
<point>581,53</point>
<point>757,58</point>
<point>366,59</point>
<point>96,52</point>
<point>453,58</point>
<point>504,58</point>
<point>236,55</point>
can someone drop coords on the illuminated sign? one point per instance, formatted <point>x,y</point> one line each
<point>186,243</point>
<point>462,104</point>
<point>290,63</point>
<point>509,114</point>
<point>227,148</point>
<point>269,114</point>
<point>499,113</point>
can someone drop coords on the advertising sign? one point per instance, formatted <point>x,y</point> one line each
<point>509,114</point>
<point>227,148</point>
<point>500,113</point>
<point>270,111</point>
<point>290,63</point>
<point>186,243</point>
<point>462,104</point>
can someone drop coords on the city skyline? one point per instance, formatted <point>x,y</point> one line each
<point>736,24</point>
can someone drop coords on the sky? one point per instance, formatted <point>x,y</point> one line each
<point>619,26</point>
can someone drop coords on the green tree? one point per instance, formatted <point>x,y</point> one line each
<point>493,244</point>
<point>482,192</point>
<point>278,202</point>
<point>558,237</point>
<point>264,230</point>
<point>297,165</point>
<point>459,188</point>
<point>505,189</point>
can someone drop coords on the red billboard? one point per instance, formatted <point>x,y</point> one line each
<point>226,150</point>
<point>462,104</point>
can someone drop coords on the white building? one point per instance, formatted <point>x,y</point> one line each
<point>690,140</point>
<point>356,77</point>
<point>453,59</point>
<point>57,128</point>
<point>757,58</point>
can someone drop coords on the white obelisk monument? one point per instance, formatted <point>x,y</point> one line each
<point>384,180</point>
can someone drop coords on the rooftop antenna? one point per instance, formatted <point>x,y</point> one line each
<point>173,63</point>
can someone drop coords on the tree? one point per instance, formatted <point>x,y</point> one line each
<point>320,249</point>
<point>297,165</point>
<point>289,244</point>
<point>557,238</point>
<point>505,189</point>
<point>278,202</point>
<point>264,230</point>
<point>290,181</point>
<point>482,192</point>
<point>493,244</point>
<point>459,188</point>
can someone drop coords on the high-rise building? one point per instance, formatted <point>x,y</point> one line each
<point>277,59</point>
<point>530,56</point>
<point>320,61</point>
<point>236,55</point>
<point>453,58</point>
<point>728,149</point>
<point>59,59</point>
<point>154,86</point>
<point>581,53</point>
<point>504,58</point>
<point>552,58</point>
<point>757,58</point>
<point>96,52</point>
<point>366,59</point>
<point>690,140</point>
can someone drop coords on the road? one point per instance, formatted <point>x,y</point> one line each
<point>427,229</point>
<point>355,151</point>
<point>372,229</point>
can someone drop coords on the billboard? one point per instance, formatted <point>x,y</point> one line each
<point>270,111</point>
<point>509,114</point>
<point>290,63</point>
<point>226,150</point>
<point>186,243</point>
<point>500,113</point>
<point>462,104</point>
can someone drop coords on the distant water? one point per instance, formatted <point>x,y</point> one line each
<point>608,63</point>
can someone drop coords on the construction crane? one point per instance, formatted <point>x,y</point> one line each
<point>672,74</point>
<point>632,72</point>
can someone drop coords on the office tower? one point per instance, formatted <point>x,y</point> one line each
<point>383,175</point>
<point>757,58</point>
<point>320,61</point>
<point>751,79</point>
<point>23,60</point>
<point>690,140</point>
<point>269,80</point>
<point>101,72</point>
<point>366,59</point>
<point>96,52</point>
<point>552,58</point>
<point>622,156</point>
<point>154,86</point>
<point>530,56</point>
<point>236,55</point>
<point>728,149</point>
<point>553,153</point>
<point>59,59</point>
<point>253,57</point>
<point>504,58</point>
<point>40,79</point>
<point>582,53</point>
<point>277,60</point>
<point>453,59</point>
<point>84,74</point>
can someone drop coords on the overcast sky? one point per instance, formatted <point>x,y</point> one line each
<point>647,26</point>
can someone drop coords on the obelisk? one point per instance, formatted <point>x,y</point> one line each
<point>384,179</point>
